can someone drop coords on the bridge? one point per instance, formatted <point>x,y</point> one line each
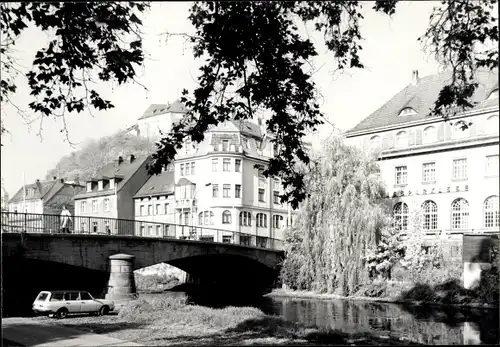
<point>38,256</point>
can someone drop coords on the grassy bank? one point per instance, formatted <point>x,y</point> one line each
<point>170,321</point>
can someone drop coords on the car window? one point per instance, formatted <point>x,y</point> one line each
<point>42,296</point>
<point>85,296</point>
<point>56,297</point>
<point>71,296</point>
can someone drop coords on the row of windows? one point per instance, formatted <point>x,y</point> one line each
<point>226,190</point>
<point>159,209</point>
<point>459,170</point>
<point>187,169</point>
<point>429,134</point>
<point>226,165</point>
<point>95,205</point>
<point>459,214</point>
<point>207,218</point>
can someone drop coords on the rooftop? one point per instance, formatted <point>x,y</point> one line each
<point>157,109</point>
<point>44,190</point>
<point>160,184</point>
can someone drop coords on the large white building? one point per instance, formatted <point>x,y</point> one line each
<point>447,175</point>
<point>219,185</point>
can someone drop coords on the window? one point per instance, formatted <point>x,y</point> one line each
<point>226,217</point>
<point>143,213</point>
<point>276,197</point>
<point>188,171</point>
<point>215,190</point>
<point>237,191</point>
<point>200,218</point>
<point>245,240</point>
<point>150,210</point>
<point>206,218</point>
<point>30,191</point>
<point>107,229</point>
<point>226,190</point>
<point>277,219</point>
<point>429,135</point>
<point>261,194</point>
<point>407,111</point>
<point>142,229</point>
<point>429,210</point>
<point>94,205</point>
<point>215,164</point>
<point>260,173</point>
<point>112,183</point>
<point>276,184</point>
<point>429,172</point>
<point>99,185</point>
<point>158,209</point>
<point>150,230</point>
<point>182,169</point>
<point>492,165</point>
<point>225,145</point>
<point>83,206</point>
<point>261,241</point>
<point>167,210</point>
<point>192,168</point>
<point>401,175</point>
<point>460,214</point>
<point>94,227</point>
<point>227,239</point>
<point>106,204</point>
<point>460,130</point>
<point>226,162</point>
<point>400,213</point>
<point>245,218</point>
<point>89,186</point>
<point>491,212</point>
<point>401,139</point>
<point>492,125</point>
<point>237,165</point>
<point>460,169</point>
<point>158,230</point>
<point>261,220</point>
<point>375,142</point>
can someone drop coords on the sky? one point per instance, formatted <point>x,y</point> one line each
<point>390,54</point>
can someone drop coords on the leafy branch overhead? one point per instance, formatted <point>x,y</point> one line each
<point>255,62</point>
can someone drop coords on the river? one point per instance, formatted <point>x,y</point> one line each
<point>432,326</point>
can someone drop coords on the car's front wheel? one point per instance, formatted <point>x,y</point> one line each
<point>62,313</point>
<point>103,310</point>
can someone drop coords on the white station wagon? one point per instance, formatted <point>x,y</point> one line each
<point>60,303</point>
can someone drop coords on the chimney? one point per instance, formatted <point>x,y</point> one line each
<point>54,177</point>
<point>62,180</point>
<point>120,160</point>
<point>132,158</point>
<point>414,77</point>
<point>39,187</point>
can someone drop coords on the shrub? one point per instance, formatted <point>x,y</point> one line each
<point>155,282</point>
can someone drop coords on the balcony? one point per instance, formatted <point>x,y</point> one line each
<point>185,203</point>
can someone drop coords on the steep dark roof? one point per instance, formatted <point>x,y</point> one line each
<point>157,109</point>
<point>49,190</point>
<point>421,98</point>
<point>158,185</point>
<point>124,170</point>
<point>247,128</point>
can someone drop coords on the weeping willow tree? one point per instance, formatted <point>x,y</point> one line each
<point>338,223</point>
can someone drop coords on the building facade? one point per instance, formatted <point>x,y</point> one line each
<point>110,195</point>
<point>219,185</point>
<point>445,171</point>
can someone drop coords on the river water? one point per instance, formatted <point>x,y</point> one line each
<point>426,325</point>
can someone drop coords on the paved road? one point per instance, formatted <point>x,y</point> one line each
<point>28,332</point>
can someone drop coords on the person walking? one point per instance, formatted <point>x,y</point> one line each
<point>65,219</point>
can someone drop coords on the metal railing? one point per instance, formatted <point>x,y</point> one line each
<point>13,222</point>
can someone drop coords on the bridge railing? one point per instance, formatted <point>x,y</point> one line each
<point>49,223</point>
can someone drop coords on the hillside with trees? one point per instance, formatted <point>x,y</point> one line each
<point>82,164</point>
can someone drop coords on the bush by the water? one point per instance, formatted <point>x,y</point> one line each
<point>155,282</point>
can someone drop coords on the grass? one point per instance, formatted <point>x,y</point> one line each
<point>170,321</point>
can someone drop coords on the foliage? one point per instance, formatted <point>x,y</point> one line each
<point>83,164</point>
<point>340,220</point>
<point>155,282</point>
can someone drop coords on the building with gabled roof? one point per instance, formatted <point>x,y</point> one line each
<point>110,193</point>
<point>435,168</point>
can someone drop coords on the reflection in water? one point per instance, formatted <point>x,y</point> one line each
<point>427,325</point>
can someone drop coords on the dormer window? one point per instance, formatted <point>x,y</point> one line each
<point>407,111</point>
<point>401,139</point>
<point>225,145</point>
<point>89,186</point>
<point>30,191</point>
<point>493,94</point>
<point>375,142</point>
<point>111,183</point>
<point>99,185</point>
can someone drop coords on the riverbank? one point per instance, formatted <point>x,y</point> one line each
<point>401,294</point>
<point>156,321</point>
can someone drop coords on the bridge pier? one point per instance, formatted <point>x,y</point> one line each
<point>121,284</point>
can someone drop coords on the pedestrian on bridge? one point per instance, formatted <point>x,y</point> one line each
<point>65,219</point>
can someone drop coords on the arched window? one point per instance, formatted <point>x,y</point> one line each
<point>430,135</point>
<point>261,220</point>
<point>407,111</point>
<point>206,218</point>
<point>245,219</point>
<point>460,130</point>
<point>491,212</point>
<point>200,218</point>
<point>400,213</point>
<point>375,142</point>
<point>277,219</point>
<point>226,217</point>
<point>430,214</point>
<point>492,125</point>
<point>401,139</point>
<point>460,214</point>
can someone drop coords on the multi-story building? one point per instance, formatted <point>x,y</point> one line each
<point>219,184</point>
<point>156,119</point>
<point>111,194</point>
<point>446,174</point>
<point>154,203</point>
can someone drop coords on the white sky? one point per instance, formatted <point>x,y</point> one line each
<point>390,53</point>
